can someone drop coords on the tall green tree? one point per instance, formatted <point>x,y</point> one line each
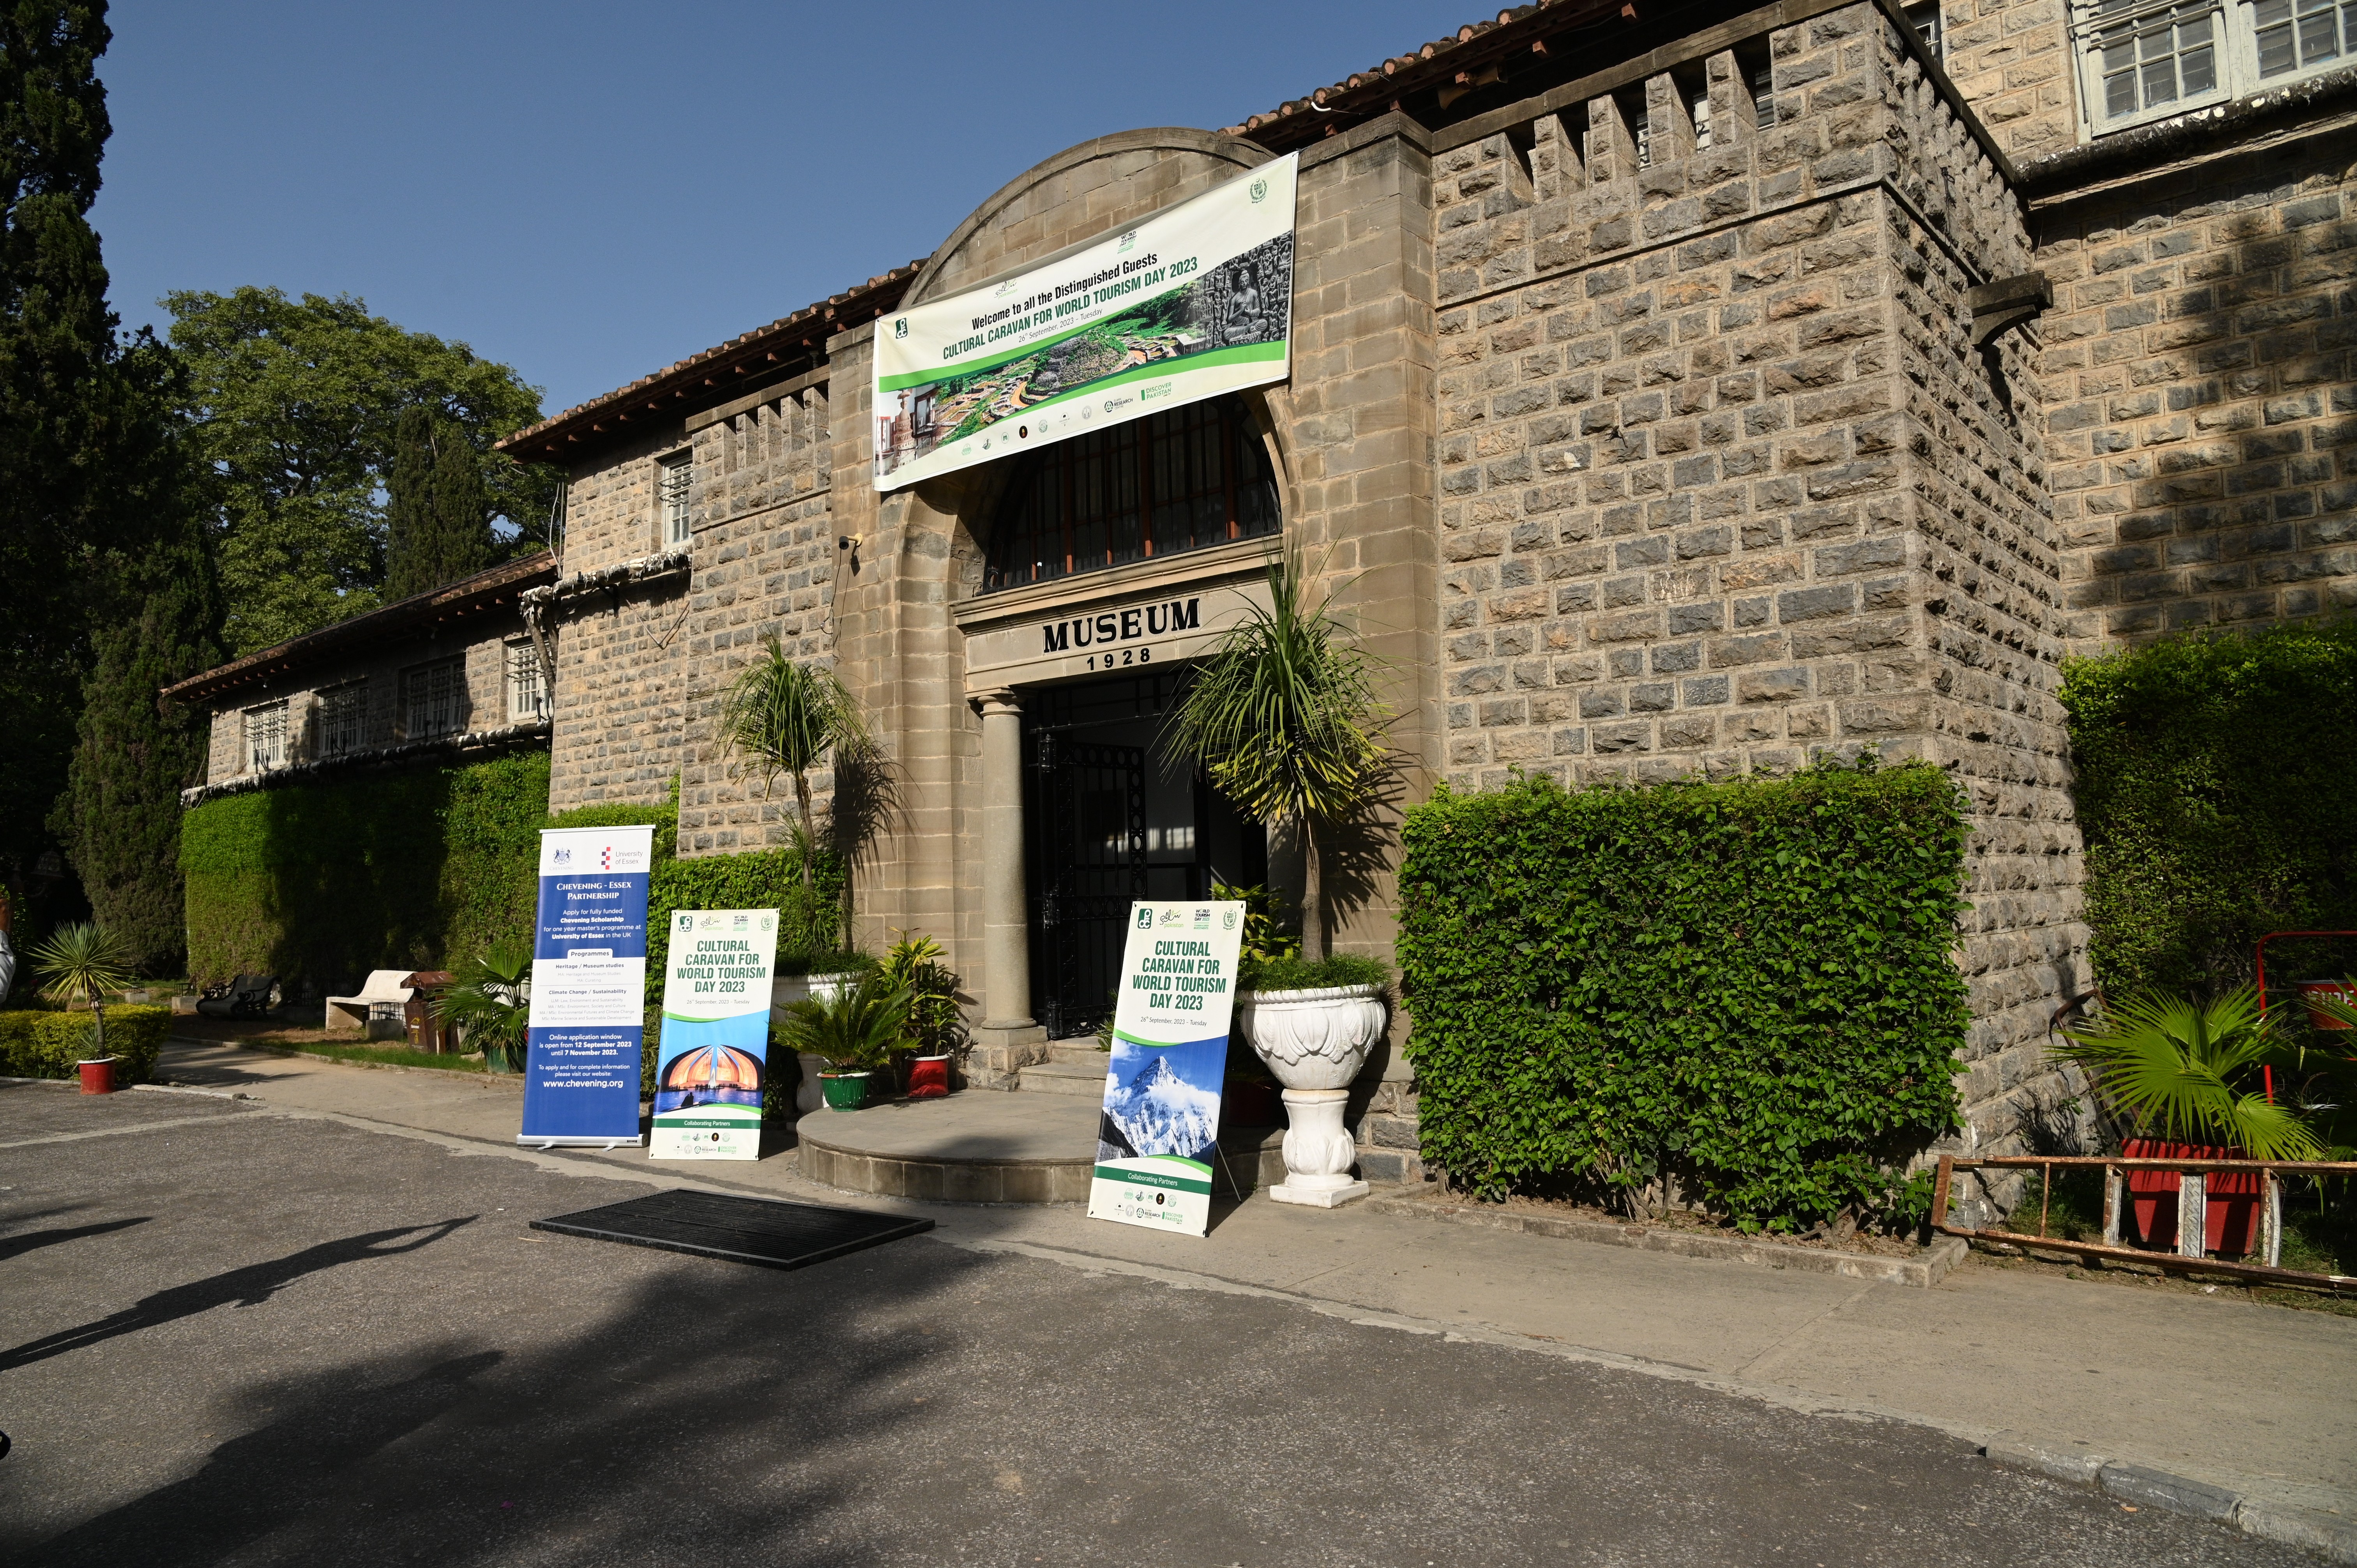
<point>437,512</point>
<point>294,408</point>
<point>83,432</point>
<point>120,815</point>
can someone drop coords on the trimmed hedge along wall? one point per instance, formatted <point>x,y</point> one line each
<point>36,1044</point>
<point>2217,793</point>
<point>417,870</point>
<point>1742,987</point>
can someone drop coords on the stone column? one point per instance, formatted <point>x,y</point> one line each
<point>1008,1036</point>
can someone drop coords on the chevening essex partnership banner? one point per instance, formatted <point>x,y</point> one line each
<point>589,987</point>
<point>1159,1130</point>
<point>715,1054</point>
<point>1193,302</point>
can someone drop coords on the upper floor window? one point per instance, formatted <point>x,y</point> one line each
<point>343,718</point>
<point>527,692</point>
<point>265,737</point>
<point>2146,59</point>
<point>671,499</point>
<point>434,699</point>
<point>1926,17</point>
<point>1185,479</point>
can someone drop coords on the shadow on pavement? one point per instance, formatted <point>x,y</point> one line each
<point>33,1240</point>
<point>247,1287</point>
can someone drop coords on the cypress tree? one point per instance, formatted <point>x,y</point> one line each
<point>77,425</point>
<point>120,816</point>
<point>437,508</point>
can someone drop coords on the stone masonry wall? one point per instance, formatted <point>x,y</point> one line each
<point>765,566</point>
<point>2199,370</point>
<point>1723,484</point>
<point>621,698</point>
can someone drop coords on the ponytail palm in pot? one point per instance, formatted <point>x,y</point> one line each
<point>83,964</point>
<point>1283,718</point>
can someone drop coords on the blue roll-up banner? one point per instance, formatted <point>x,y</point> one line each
<point>589,987</point>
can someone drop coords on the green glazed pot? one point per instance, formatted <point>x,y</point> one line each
<point>844,1090</point>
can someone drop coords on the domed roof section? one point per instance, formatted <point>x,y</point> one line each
<point>714,1067</point>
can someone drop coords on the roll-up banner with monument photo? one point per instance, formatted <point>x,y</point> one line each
<point>1159,1131</point>
<point>713,1060</point>
<point>1193,302</point>
<point>589,987</point>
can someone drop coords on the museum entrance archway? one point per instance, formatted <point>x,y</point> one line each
<point>1106,821</point>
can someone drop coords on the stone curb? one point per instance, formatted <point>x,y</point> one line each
<point>1924,1271</point>
<point>487,1079</point>
<point>2333,1536</point>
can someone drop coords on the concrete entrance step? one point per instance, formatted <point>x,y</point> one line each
<point>1084,1080</point>
<point>1084,1052</point>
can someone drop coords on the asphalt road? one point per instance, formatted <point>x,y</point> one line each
<point>230,1336</point>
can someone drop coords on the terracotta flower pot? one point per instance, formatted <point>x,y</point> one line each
<point>97,1075</point>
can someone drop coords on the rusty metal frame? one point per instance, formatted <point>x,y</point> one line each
<point>2191,1199</point>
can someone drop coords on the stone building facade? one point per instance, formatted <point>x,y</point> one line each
<point>1665,398</point>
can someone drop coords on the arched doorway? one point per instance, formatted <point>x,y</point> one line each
<point>1106,818</point>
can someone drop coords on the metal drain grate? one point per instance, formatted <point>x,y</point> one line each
<point>774,1234</point>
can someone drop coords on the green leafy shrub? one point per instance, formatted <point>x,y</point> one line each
<point>1297,973</point>
<point>40,1043</point>
<point>2217,793</point>
<point>1743,988</point>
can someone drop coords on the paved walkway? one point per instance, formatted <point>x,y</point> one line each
<point>2260,1400</point>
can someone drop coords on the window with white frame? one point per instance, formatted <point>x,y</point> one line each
<point>343,718</point>
<point>434,699</point>
<point>2146,59</point>
<point>527,692</point>
<point>671,499</point>
<point>265,737</point>
<point>1926,19</point>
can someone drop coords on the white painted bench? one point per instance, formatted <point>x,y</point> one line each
<point>360,1015</point>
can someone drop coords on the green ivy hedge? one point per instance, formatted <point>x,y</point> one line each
<point>1745,987</point>
<point>2217,793</point>
<point>417,870</point>
<point>40,1043</point>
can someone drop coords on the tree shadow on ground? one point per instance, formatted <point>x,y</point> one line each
<point>33,1240</point>
<point>247,1287</point>
<point>693,1424</point>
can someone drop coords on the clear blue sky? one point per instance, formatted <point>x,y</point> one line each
<point>589,191</point>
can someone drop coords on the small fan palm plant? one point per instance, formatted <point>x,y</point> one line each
<point>784,718</point>
<point>1285,720</point>
<point>486,999</point>
<point>2192,1073</point>
<point>856,1030</point>
<point>83,963</point>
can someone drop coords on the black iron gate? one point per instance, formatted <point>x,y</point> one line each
<point>1088,864</point>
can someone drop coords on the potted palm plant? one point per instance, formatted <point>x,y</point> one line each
<point>83,964</point>
<point>488,999</point>
<point>936,1027</point>
<point>2190,1078</point>
<point>852,1032</point>
<point>1285,718</point>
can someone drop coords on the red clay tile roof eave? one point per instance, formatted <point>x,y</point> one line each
<point>1370,91</point>
<point>484,590</point>
<point>852,307</point>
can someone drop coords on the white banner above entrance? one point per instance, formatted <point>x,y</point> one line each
<point>1193,303</point>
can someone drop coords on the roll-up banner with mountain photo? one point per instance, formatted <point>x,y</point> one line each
<point>1160,1128</point>
<point>1193,302</point>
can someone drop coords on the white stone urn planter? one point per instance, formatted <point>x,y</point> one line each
<point>784,991</point>
<point>1314,1042</point>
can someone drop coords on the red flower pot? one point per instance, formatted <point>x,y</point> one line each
<point>97,1075</point>
<point>2233,1196</point>
<point>929,1077</point>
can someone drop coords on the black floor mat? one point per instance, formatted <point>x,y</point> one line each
<point>774,1234</point>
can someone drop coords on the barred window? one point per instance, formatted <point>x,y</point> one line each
<point>672,498</point>
<point>1187,480</point>
<point>527,693</point>
<point>434,699</point>
<point>265,737</point>
<point>343,718</point>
